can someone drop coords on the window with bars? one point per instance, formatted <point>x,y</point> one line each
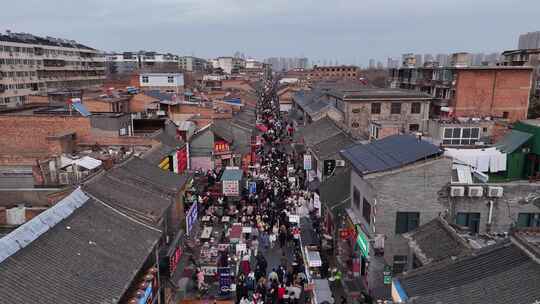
<point>376,108</point>
<point>528,220</point>
<point>416,107</point>
<point>461,136</point>
<point>470,220</point>
<point>407,221</point>
<point>366,211</point>
<point>356,198</point>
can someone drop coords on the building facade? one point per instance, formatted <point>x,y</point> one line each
<point>464,91</point>
<point>163,82</point>
<point>32,65</point>
<point>193,64</point>
<point>334,72</point>
<point>129,62</point>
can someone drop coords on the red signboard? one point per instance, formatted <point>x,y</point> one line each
<point>346,233</point>
<point>182,160</point>
<point>174,259</point>
<point>221,146</point>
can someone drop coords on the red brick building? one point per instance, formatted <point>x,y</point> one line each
<point>342,72</point>
<point>476,91</point>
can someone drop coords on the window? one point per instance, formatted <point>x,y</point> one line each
<point>407,221</point>
<point>528,220</point>
<point>374,131</point>
<point>461,136</point>
<point>469,219</point>
<point>376,108</point>
<point>400,262</point>
<point>395,108</point>
<point>356,198</point>
<point>170,79</point>
<point>414,127</point>
<point>416,107</point>
<point>145,79</point>
<point>366,211</point>
<point>505,114</point>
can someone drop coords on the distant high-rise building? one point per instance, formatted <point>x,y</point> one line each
<point>380,66</point>
<point>372,63</point>
<point>529,40</point>
<point>478,59</point>
<point>419,61</point>
<point>442,59</point>
<point>428,58</point>
<point>287,63</point>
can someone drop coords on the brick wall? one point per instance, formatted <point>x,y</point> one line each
<point>97,106</point>
<point>492,92</point>
<point>141,102</point>
<point>412,189</point>
<point>25,138</point>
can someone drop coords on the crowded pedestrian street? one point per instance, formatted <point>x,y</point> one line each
<point>255,234</point>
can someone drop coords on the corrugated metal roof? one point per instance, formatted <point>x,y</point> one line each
<point>232,175</point>
<point>512,141</point>
<point>31,230</point>
<point>389,153</point>
<point>88,162</point>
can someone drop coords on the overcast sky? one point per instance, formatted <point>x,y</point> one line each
<point>350,31</point>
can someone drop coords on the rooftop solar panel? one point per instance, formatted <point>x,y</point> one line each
<point>389,153</point>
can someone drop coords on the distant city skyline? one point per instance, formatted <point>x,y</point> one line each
<point>279,28</point>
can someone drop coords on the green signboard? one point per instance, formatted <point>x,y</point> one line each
<point>387,274</point>
<point>362,241</point>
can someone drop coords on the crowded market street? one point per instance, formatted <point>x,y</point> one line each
<point>255,234</point>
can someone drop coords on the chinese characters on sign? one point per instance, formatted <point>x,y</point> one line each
<point>221,146</point>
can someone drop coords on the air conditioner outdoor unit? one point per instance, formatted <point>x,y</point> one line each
<point>340,163</point>
<point>63,178</point>
<point>457,191</point>
<point>495,191</point>
<point>476,191</point>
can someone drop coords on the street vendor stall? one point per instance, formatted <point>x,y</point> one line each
<point>314,262</point>
<point>230,181</point>
<point>321,292</point>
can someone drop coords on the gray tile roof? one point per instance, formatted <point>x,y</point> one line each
<point>157,153</point>
<point>90,257</point>
<point>389,153</point>
<point>436,241</point>
<point>152,174</point>
<point>319,131</point>
<point>336,189</point>
<point>133,196</point>
<point>499,274</point>
<point>330,147</point>
<point>386,93</point>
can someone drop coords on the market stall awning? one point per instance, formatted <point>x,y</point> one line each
<point>262,128</point>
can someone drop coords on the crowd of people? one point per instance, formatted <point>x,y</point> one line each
<point>280,193</point>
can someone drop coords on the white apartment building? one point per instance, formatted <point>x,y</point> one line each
<point>128,62</point>
<point>32,65</point>
<point>163,82</point>
<point>229,64</point>
<point>192,64</point>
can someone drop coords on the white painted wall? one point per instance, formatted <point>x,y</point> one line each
<point>161,79</point>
